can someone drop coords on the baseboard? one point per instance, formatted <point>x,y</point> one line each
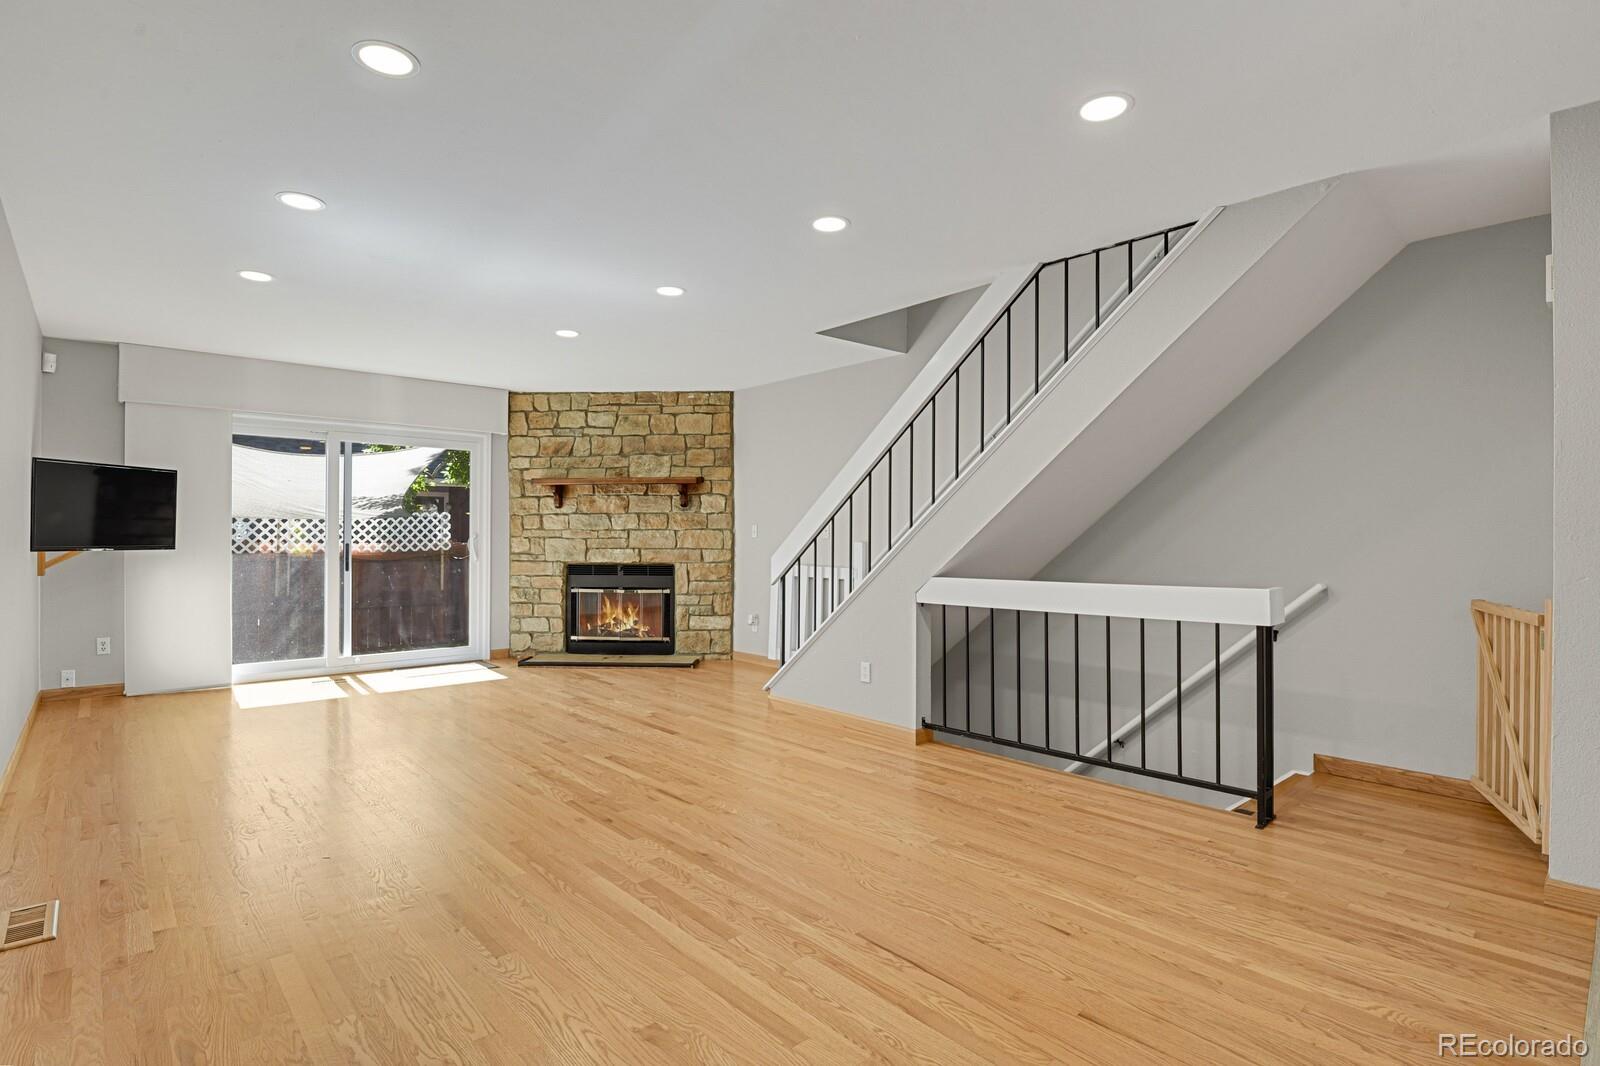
<point>1414,780</point>
<point>855,719</point>
<point>499,653</point>
<point>752,657</point>
<point>83,692</point>
<point>1579,899</point>
<point>16,752</point>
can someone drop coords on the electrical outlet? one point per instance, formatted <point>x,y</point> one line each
<point>755,530</point>
<point>866,672</point>
<point>69,679</point>
<point>102,645</point>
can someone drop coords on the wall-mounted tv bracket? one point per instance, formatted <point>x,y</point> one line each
<point>46,561</point>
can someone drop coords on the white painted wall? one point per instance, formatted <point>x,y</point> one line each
<point>177,605</point>
<point>1575,215</point>
<point>20,347</point>
<point>81,418</point>
<point>791,438</point>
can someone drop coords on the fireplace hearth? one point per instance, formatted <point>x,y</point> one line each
<point>620,608</point>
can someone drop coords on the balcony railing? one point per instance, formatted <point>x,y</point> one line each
<point>1066,670</point>
<point>1028,343</point>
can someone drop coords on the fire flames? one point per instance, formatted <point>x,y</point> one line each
<point>619,618</point>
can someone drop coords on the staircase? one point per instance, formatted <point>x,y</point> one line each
<point>1078,380</point>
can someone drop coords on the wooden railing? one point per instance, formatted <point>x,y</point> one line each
<point>1514,656</point>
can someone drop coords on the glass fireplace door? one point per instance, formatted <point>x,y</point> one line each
<point>619,614</point>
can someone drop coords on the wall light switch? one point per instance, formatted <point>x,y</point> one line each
<point>69,679</point>
<point>755,530</point>
<point>751,621</point>
<point>866,672</point>
<point>102,645</point>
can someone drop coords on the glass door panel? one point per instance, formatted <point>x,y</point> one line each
<point>407,567</point>
<point>280,524</point>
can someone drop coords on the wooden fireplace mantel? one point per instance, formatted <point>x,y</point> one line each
<point>559,485</point>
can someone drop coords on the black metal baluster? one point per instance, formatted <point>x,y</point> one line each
<point>983,390</point>
<point>911,473</point>
<point>783,619</point>
<point>1110,748</point>
<point>1018,616</point>
<point>957,431</point>
<point>816,585</point>
<point>1142,743</point>
<point>966,641</point>
<point>1066,310</point>
<point>889,500</point>
<point>993,717</point>
<point>1077,726</point>
<point>870,471</point>
<point>850,547</point>
<point>933,449</point>
<point>1096,290</point>
<point>1044,619</point>
<point>1264,739</point>
<point>944,664</point>
<point>1038,280</point>
<point>1008,365</point>
<point>1216,670</point>
<point>1130,271</point>
<point>1178,658</point>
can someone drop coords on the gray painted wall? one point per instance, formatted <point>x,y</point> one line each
<point>81,418</point>
<point>1575,750</point>
<point>791,437</point>
<point>20,345</point>
<point>1399,454</point>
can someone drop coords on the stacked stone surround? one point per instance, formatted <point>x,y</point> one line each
<point>622,434</point>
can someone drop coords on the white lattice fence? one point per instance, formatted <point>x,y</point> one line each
<point>425,531</point>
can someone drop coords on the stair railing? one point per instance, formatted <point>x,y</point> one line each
<point>1043,702</point>
<point>1192,684</point>
<point>1044,325</point>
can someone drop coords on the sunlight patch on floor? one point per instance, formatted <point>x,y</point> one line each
<point>282,693</point>
<point>418,677</point>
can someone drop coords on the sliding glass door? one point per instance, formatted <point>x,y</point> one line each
<point>394,578</point>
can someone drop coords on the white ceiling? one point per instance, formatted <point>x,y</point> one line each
<point>553,162</point>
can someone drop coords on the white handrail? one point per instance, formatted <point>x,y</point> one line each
<point>1175,603</point>
<point>1234,651</point>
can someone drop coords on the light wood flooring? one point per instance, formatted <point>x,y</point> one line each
<point>638,866</point>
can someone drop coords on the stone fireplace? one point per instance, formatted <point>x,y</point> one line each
<point>613,453</point>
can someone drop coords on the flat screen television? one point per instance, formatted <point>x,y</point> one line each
<point>98,507</point>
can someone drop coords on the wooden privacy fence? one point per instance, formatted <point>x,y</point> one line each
<point>1514,656</point>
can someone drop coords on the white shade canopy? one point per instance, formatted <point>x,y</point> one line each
<point>274,484</point>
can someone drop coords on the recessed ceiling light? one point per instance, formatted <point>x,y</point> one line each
<point>384,58</point>
<point>830,224</point>
<point>567,333</point>
<point>301,201</point>
<point>1105,108</point>
<point>668,290</point>
<point>255,275</point>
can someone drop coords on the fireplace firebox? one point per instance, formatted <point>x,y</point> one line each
<point>620,608</point>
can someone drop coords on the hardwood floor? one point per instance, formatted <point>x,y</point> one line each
<point>635,866</point>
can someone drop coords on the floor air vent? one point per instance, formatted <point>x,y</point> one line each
<point>30,925</point>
